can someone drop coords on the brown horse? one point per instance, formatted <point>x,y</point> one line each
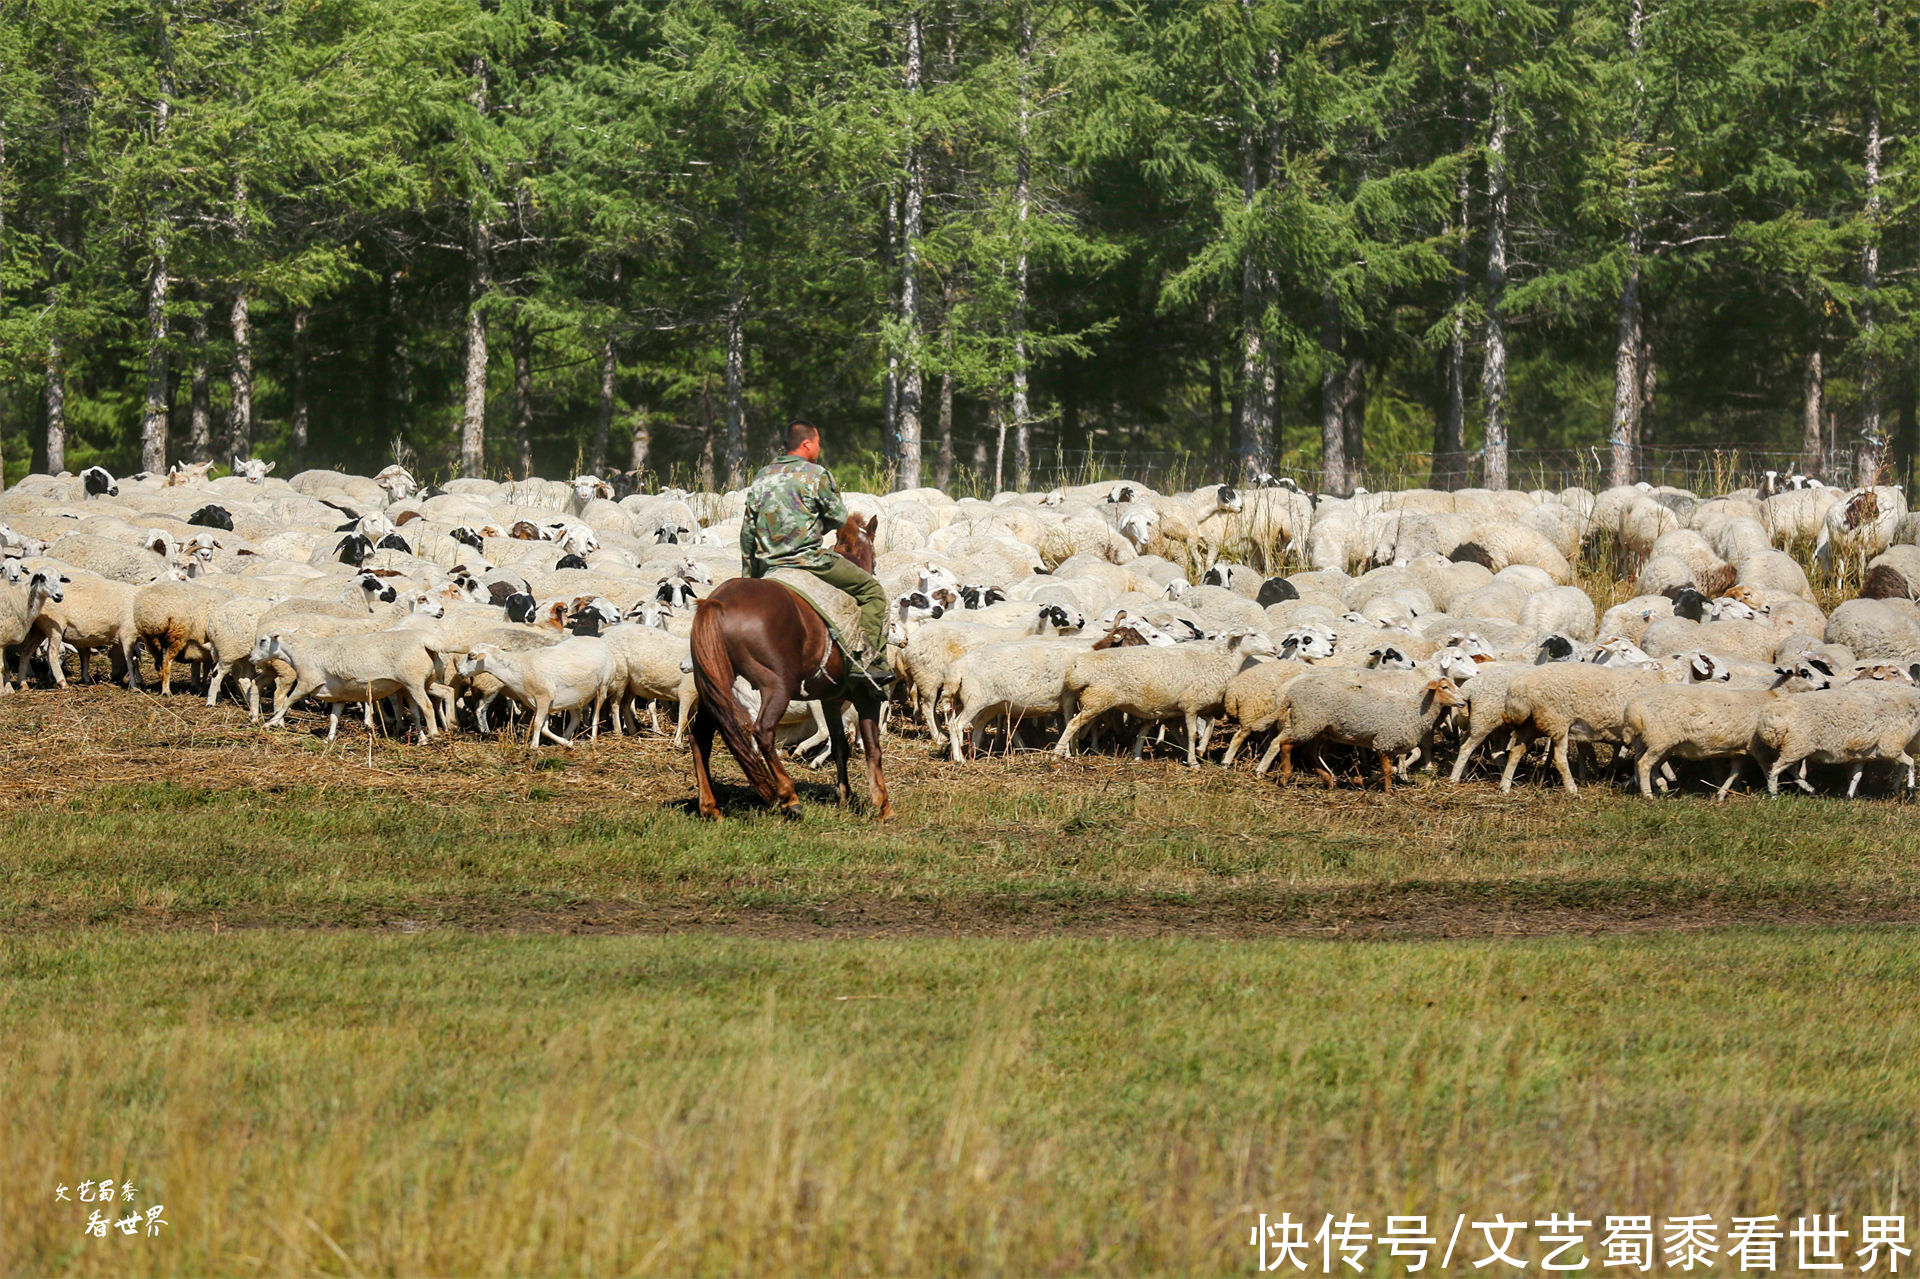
<point>758,630</point>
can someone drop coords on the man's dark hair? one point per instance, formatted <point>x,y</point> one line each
<point>799,433</point>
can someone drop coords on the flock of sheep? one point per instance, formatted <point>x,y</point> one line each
<point>1384,628</point>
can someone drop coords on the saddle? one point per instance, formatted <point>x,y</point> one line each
<point>837,610</point>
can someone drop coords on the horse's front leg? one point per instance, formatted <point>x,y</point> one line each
<point>870,743</point>
<point>837,739</point>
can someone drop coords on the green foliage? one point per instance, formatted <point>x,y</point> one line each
<point>645,170</point>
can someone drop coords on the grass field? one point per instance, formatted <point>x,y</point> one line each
<point>448,1009</point>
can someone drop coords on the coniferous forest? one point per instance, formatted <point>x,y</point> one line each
<point>1362,241</point>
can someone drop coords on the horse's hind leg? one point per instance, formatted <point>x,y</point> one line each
<point>703,728</point>
<point>773,704</point>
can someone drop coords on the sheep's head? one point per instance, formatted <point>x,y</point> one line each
<point>933,577</point>
<point>1813,672</point>
<point>1705,668</point>
<point>1728,609</point>
<point>1557,648</point>
<point>1250,643</point>
<point>652,614</point>
<point>588,487</point>
<point>693,571</point>
<point>398,482</point>
<point>271,647</point>
<point>1307,643</point>
<point>1227,498</point>
<point>917,605</point>
<point>1618,652</point>
<point>675,591</point>
<point>252,469</point>
<point>1455,665</point>
<point>475,662</point>
<point>1062,617</point>
<point>45,585</point>
<point>981,596</point>
<point>428,603</point>
<point>1441,692</point>
<point>1137,527</point>
<point>1883,672</point>
<point>1386,657</point>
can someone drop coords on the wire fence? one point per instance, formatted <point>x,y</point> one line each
<point>1700,469</point>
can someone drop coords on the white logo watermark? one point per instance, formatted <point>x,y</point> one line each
<point>1818,1242</point>
<point>101,1220</point>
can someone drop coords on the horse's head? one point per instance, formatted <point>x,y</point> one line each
<point>855,540</point>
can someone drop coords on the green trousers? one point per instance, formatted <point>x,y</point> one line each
<point>866,591</point>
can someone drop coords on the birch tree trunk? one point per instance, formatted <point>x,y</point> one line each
<point>240,322</point>
<point>1022,208</point>
<point>1623,461</point>
<point>300,317</point>
<point>56,397</point>
<point>1624,434</point>
<point>153,425</point>
<point>1333,423</point>
<point>1494,374</point>
<point>641,443</point>
<point>240,413</point>
<point>1251,426</point>
<point>609,375</point>
<point>1353,416</point>
<point>1450,431</point>
<point>1812,414</point>
<point>522,343</point>
<point>1872,444</point>
<point>907,463</point>
<point>603,417</point>
<point>890,386</point>
<point>736,385</point>
<point>200,421</point>
<point>473,419</point>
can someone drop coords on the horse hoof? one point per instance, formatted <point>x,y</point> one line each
<point>884,815</point>
<point>790,811</point>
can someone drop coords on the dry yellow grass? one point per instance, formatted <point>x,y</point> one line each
<point>502,1106</point>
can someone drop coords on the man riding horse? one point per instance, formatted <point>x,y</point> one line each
<point>763,632</point>
<point>791,505</point>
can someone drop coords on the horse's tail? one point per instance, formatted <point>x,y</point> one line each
<point>713,678</point>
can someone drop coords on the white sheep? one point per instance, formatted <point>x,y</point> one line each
<point>1015,680</point>
<point>358,668</point>
<point>1391,714</point>
<point>1694,721</point>
<point>1856,725</point>
<point>20,609</point>
<point>1571,702</point>
<point>572,675</point>
<point>1187,681</point>
<point>93,612</point>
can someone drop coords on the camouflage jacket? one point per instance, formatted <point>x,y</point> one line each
<point>791,505</point>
